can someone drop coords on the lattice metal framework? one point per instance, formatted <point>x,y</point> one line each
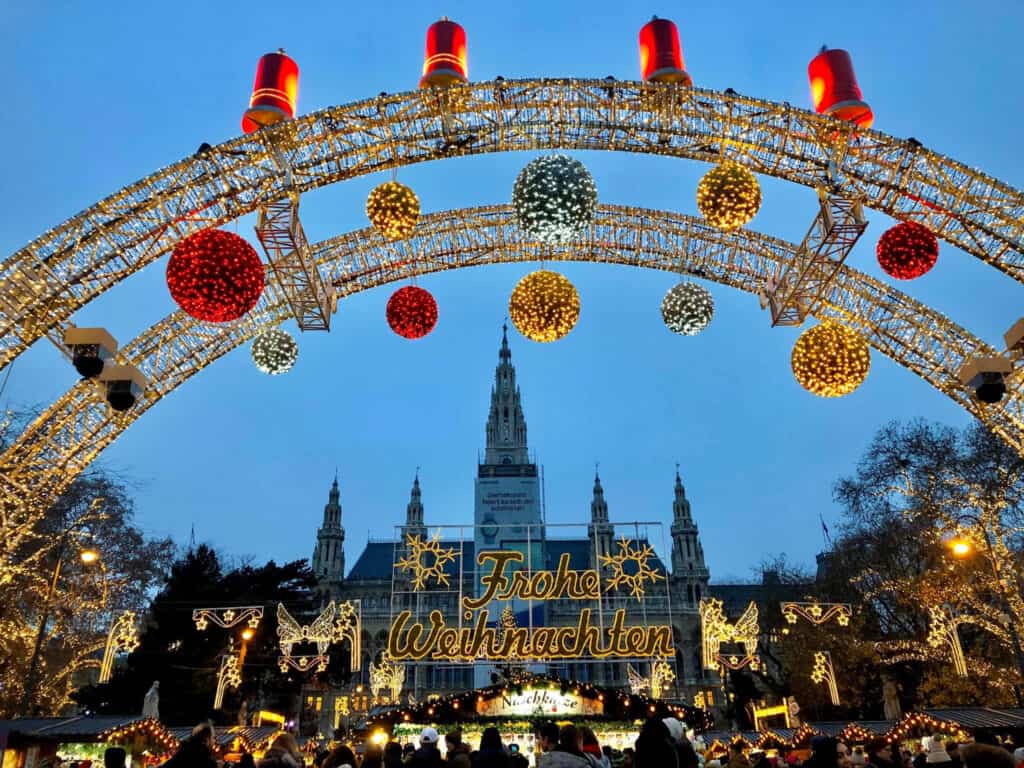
<point>66,437</point>
<point>42,284</point>
<point>837,227</point>
<point>280,232</point>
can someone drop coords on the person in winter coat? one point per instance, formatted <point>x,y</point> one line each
<point>685,753</point>
<point>393,755</point>
<point>880,754</point>
<point>458,753</point>
<point>567,753</point>
<point>428,755</point>
<point>937,756</point>
<point>196,751</point>
<point>737,759</point>
<point>655,747</point>
<point>283,753</point>
<point>373,757</point>
<point>592,750</point>
<point>492,752</point>
<point>339,756</point>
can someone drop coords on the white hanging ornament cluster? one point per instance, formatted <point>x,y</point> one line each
<point>274,351</point>
<point>687,308</point>
<point>554,199</point>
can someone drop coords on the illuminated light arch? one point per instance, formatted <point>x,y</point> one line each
<point>45,282</point>
<point>56,447</point>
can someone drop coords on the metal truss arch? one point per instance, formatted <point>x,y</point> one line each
<point>61,443</point>
<point>45,282</point>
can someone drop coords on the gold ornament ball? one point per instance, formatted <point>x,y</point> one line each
<point>393,209</point>
<point>830,360</point>
<point>544,306</point>
<point>728,196</point>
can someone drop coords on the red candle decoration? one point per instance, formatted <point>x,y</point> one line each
<point>412,312</point>
<point>907,250</point>
<point>215,276</point>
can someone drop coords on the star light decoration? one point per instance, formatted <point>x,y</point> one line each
<point>336,622</point>
<point>641,570</point>
<point>817,613</point>
<point>728,196</point>
<point>425,560</point>
<point>122,636</point>
<point>716,629</point>
<point>215,276</point>
<point>274,351</point>
<point>907,250</point>
<point>393,209</point>
<point>387,676</point>
<point>226,618</point>
<point>687,308</point>
<point>228,676</point>
<point>942,630</point>
<point>824,673</point>
<point>554,199</point>
<point>661,677</point>
<point>412,312</point>
<point>544,306</point>
<point>830,360</point>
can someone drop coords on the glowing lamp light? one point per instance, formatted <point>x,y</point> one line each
<point>687,308</point>
<point>215,276</point>
<point>274,351</point>
<point>830,360</point>
<point>834,88</point>
<point>907,250</point>
<point>247,634</point>
<point>445,62</point>
<point>554,199</point>
<point>275,92</point>
<point>412,312</point>
<point>393,209</point>
<point>661,58</point>
<point>960,547</point>
<point>544,306</point>
<point>379,738</point>
<point>728,196</point>
<point>89,556</point>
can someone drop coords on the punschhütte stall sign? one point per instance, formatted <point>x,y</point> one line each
<point>437,641</point>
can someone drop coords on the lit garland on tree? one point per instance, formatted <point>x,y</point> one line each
<point>544,306</point>
<point>830,360</point>
<point>687,308</point>
<point>215,276</point>
<point>274,351</point>
<point>554,198</point>
<point>728,196</point>
<point>907,250</point>
<point>393,209</point>
<point>412,312</point>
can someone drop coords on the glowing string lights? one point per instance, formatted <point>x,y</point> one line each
<point>554,198</point>
<point>817,613</point>
<point>274,351</point>
<point>544,306</point>
<point>122,636</point>
<point>630,568</point>
<point>942,630</point>
<point>226,618</point>
<point>728,196</point>
<point>823,672</point>
<point>393,209</point>
<point>830,360</point>
<point>716,629</point>
<point>687,308</point>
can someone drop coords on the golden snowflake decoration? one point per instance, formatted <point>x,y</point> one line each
<point>628,554</point>
<point>426,560</point>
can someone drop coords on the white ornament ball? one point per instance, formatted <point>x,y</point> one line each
<point>274,351</point>
<point>687,308</point>
<point>554,199</point>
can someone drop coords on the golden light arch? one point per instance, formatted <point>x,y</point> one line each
<point>45,282</point>
<point>58,445</point>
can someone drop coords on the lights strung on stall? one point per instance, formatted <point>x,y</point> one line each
<point>544,306</point>
<point>728,196</point>
<point>687,308</point>
<point>554,199</point>
<point>274,351</point>
<point>215,276</point>
<point>412,312</point>
<point>907,250</point>
<point>393,209</point>
<point>830,359</point>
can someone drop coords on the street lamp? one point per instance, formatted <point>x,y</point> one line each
<point>960,547</point>
<point>88,557</point>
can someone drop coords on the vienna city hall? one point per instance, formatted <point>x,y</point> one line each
<point>426,570</point>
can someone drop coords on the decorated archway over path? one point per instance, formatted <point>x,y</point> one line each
<point>56,447</point>
<point>44,283</point>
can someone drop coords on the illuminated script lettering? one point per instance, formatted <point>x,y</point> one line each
<point>435,640</point>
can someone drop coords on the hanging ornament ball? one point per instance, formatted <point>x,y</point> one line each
<point>393,209</point>
<point>544,306</point>
<point>554,198</point>
<point>728,196</point>
<point>687,308</point>
<point>412,312</point>
<point>215,276</point>
<point>274,351</point>
<point>907,250</point>
<point>830,360</point>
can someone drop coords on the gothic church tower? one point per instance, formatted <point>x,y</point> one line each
<point>329,553</point>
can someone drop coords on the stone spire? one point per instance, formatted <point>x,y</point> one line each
<point>414,512</point>
<point>687,553</point>
<point>329,554</point>
<point>506,425</point>
<point>600,530</point>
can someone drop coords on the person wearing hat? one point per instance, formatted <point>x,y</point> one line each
<point>937,754</point>
<point>428,755</point>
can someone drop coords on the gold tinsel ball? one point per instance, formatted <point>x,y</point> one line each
<point>830,360</point>
<point>728,196</point>
<point>544,306</point>
<point>393,209</point>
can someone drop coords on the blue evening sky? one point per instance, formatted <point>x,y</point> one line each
<point>98,95</point>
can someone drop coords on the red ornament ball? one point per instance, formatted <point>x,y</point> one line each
<point>907,250</point>
<point>215,276</point>
<point>412,312</point>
